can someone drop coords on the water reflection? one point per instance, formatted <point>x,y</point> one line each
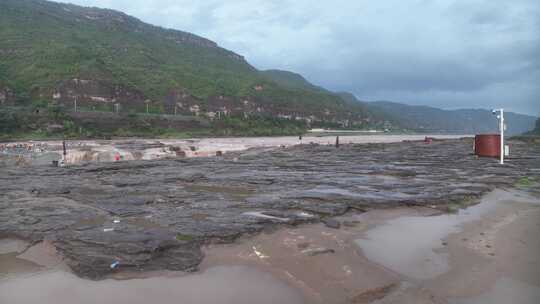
<point>227,284</point>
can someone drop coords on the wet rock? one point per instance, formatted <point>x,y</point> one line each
<point>268,181</point>
<point>351,224</point>
<point>323,208</point>
<point>175,149</point>
<point>332,223</point>
<point>159,201</point>
<point>372,295</point>
<point>303,245</point>
<point>90,253</point>
<point>318,251</point>
<point>170,207</point>
<point>191,178</point>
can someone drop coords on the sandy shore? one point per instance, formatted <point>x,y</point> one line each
<point>488,253</point>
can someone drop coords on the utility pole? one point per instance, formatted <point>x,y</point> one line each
<point>502,126</point>
<point>146,108</point>
<point>75,103</point>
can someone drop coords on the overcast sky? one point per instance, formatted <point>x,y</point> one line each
<point>443,53</point>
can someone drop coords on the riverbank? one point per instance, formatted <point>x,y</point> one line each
<point>129,213</point>
<point>134,219</point>
<point>487,253</point>
<point>84,151</point>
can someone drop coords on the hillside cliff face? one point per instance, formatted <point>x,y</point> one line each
<point>103,59</point>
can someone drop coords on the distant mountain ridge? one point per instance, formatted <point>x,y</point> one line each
<point>424,119</point>
<point>464,121</point>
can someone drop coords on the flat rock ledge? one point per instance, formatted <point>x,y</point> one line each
<point>156,215</point>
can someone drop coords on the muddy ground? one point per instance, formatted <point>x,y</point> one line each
<point>105,219</point>
<point>487,253</point>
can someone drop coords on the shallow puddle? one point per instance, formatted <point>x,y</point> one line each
<point>505,291</point>
<point>230,284</point>
<point>12,245</point>
<point>409,245</point>
<point>10,265</point>
<point>18,258</point>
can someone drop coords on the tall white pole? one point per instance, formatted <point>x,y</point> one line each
<point>502,135</point>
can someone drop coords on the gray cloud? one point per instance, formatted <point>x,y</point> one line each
<point>445,53</point>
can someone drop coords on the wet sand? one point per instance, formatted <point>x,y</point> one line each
<point>488,253</point>
<point>36,274</point>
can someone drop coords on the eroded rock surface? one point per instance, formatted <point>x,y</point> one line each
<point>156,215</point>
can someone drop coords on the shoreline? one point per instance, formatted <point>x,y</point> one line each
<point>309,133</point>
<point>177,206</point>
<point>314,223</point>
<point>84,151</point>
<point>346,273</point>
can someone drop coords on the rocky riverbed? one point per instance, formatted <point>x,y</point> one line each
<point>140,216</point>
<point>98,151</point>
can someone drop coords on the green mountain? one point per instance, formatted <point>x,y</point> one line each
<point>464,121</point>
<point>291,80</point>
<point>297,82</point>
<point>349,97</point>
<point>67,70</point>
<point>54,54</point>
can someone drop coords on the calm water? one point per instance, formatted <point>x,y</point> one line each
<point>229,284</point>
